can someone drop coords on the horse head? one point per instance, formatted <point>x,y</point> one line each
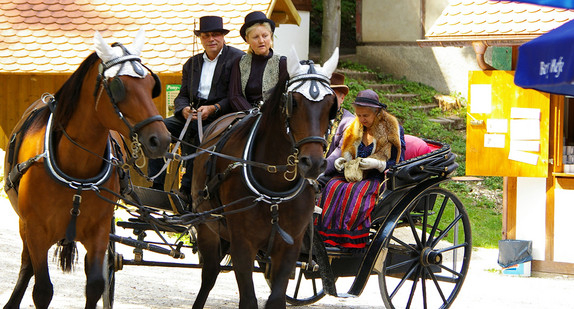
<point>130,88</point>
<point>310,104</point>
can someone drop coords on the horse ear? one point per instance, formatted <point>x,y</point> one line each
<point>331,65</point>
<point>138,43</point>
<point>104,51</point>
<point>293,65</point>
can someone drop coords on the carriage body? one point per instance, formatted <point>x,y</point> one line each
<point>398,253</point>
<point>419,245</point>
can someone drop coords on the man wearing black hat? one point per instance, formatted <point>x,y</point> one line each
<point>204,87</point>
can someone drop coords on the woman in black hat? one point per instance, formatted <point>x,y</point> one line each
<point>256,74</point>
<point>372,143</point>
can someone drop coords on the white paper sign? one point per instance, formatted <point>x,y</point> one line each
<point>496,125</point>
<point>494,140</point>
<point>524,157</point>
<point>524,129</point>
<point>525,113</point>
<point>533,146</point>
<point>480,98</point>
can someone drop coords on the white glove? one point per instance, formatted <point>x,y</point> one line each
<point>340,164</point>
<point>370,163</point>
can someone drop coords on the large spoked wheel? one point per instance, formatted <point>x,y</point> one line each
<point>110,272</point>
<point>428,253</point>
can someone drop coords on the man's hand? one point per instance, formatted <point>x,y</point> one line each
<point>370,163</point>
<point>186,111</point>
<point>206,111</point>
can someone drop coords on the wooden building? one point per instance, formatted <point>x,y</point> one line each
<point>43,42</point>
<point>523,135</point>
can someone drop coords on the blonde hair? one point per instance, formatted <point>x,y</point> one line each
<point>252,27</point>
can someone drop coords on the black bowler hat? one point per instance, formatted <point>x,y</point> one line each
<point>210,24</point>
<point>253,18</point>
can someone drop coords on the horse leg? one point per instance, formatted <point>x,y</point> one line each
<point>242,257</point>
<point>209,249</point>
<point>43,288</point>
<point>26,273</point>
<point>283,260</point>
<point>95,284</point>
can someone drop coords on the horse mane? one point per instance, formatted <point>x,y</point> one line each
<point>271,109</point>
<point>68,95</point>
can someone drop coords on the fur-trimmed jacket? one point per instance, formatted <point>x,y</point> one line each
<point>388,134</point>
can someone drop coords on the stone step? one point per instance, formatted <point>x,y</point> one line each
<point>451,122</point>
<point>364,76</point>
<point>400,96</point>
<point>425,108</point>
<point>385,87</point>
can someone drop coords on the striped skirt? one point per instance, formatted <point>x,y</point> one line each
<point>346,216</point>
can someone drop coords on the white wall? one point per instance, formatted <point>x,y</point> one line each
<point>563,249</point>
<point>293,35</point>
<point>531,213</point>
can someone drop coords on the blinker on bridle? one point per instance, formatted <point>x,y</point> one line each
<point>314,78</point>
<point>117,92</point>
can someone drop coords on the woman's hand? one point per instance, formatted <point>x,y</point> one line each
<point>370,163</point>
<point>340,164</point>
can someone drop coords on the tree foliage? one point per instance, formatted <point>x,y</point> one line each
<point>348,25</point>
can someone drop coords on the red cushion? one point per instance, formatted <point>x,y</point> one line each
<point>415,147</point>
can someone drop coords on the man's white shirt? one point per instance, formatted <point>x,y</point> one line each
<point>207,71</point>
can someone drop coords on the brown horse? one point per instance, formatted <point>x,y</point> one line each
<point>65,156</point>
<point>265,210</point>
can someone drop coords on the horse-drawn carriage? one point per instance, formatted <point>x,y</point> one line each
<point>253,189</point>
<point>419,245</point>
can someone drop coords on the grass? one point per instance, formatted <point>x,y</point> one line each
<point>484,212</point>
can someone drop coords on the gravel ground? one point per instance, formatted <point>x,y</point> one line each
<point>143,287</point>
<point>160,287</point>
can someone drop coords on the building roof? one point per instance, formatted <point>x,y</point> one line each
<point>502,23</point>
<point>55,36</point>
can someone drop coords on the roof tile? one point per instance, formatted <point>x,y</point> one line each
<point>56,35</point>
<point>467,18</point>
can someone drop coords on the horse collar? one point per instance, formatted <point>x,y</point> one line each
<point>69,181</point>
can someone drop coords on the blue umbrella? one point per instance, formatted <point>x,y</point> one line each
<point>567,4</point>
<point>547,62</point>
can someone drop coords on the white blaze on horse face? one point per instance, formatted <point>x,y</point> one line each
<point>107,53</point>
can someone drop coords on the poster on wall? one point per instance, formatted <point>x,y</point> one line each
<point>171,92</point>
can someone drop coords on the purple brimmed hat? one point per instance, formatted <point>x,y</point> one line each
<point>210,24</point>
<point>369,98</point>
<point>254,18</point>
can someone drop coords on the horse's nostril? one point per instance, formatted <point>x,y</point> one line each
<point>154,142</point>
<point>305,161</point>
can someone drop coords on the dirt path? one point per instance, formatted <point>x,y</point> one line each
<point>160,287</point>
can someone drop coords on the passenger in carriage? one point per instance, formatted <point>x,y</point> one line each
<point>204,89</point>
<point>342,121</point>
<point>255,75</point>
<point>372,143</point>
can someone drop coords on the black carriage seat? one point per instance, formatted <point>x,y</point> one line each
<point>440,162</point>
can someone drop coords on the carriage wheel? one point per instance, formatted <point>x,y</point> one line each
<point>428,253</point>
<point>306,286</point>
<point>110,272</point>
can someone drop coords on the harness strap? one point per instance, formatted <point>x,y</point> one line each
<point>275,228</point>
<point>18,170</point>
<point>74,212</point>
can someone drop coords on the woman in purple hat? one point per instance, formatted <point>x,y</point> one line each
<point>256,74</point>
<point>372,143</point>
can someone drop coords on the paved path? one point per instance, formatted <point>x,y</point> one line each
<point>159,287</point>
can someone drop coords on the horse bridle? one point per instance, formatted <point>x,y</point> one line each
<point>315,79</point>
<point>116,92</point>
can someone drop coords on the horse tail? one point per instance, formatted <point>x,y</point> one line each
<point>67,255</point>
